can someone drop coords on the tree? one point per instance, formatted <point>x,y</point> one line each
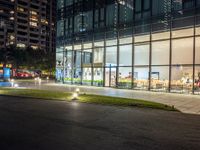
<point>28,58</point>
<point>2,55</point>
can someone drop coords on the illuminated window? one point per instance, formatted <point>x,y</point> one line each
<point>33,18</point>
<point>12,37</point>
<point>21,45</point>
<point>33,12</point>
<point>34,47</point>
<point>44,21</point>
<point>11,18</point>
<point>20,9</point>
<point>34,24</point>
<point>12,12</point>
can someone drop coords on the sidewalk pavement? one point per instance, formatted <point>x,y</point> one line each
<point>185,103</point>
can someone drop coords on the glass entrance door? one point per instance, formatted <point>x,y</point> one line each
<point>110,77</point>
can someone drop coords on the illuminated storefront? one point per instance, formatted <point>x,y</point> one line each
<point>133,44</point>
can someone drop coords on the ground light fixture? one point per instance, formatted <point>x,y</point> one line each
<point>75,95</point>
<point>77,90</point>
<point>16,85</point>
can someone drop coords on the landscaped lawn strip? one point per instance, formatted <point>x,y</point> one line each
<point>84,98</point>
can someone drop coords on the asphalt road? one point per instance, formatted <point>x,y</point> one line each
<point>31,124</point>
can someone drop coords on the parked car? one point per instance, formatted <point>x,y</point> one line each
<point>24,75</point>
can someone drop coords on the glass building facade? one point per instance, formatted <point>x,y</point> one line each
<point>134,44</point>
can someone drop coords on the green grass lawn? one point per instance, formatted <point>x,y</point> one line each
<point>84,98</point>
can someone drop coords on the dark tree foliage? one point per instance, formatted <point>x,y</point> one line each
<point>28,58</point>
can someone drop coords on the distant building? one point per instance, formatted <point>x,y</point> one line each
<point>134,44</point>
<point>6,23</point>
<point>28,23</point>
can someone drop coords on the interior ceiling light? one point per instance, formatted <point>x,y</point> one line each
<point>122,2</point>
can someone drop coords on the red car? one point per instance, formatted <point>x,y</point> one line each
<point>24,75</point>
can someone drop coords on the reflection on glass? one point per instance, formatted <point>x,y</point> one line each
<point>182,33</point>
<point>87,58</point>
<point>125,55</point>
<point>182,51</point>
<point>181,79</point>
<point>99,44</point>
<point>59,59</point>
<point>59,49</point>
<point>111,56</point>
<point>68,47</point>
<point>126,11</point>
<point>68,67</point>
<point>98,56</point>
<point>77,59</point>
<point>59,66</point>
<point>161,35</point>
<point>87,21</point>
<point>160,78</point>
<point>160,53</point>
<point>125,77</point>
<point>60,28</point>
<point>87,76</point>
<point>141,55</point>
<point>126,40</point>
<point>77,76</point>
<point>197,51</point>
<point>98,77</point>
<point>111,42</point>
<point>111,14</point>
<point>141,78</point>
<point>197,30</point>
<point>142,38</point>
<point>91,63</point>
<point>87,45</point>
<point>197,80</point>
<point>76,47</point>
<point>110,77</point>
